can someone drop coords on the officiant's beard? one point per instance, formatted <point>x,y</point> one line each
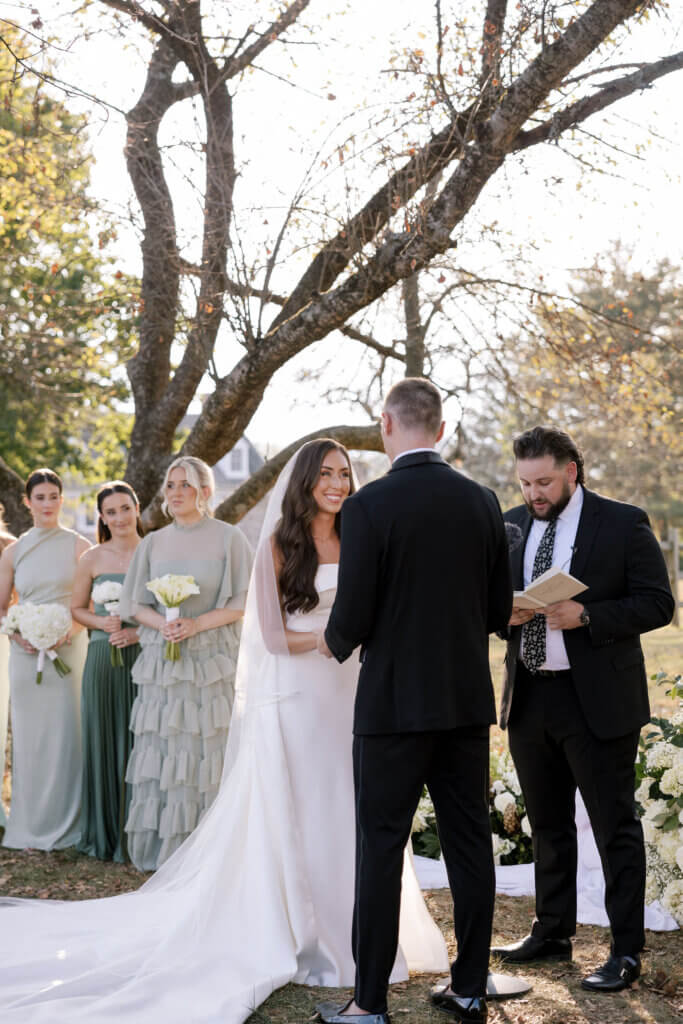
<point>553,509</point>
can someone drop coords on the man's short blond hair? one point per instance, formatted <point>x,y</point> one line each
<point>416,404</point>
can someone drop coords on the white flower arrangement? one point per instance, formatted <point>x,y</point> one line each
<point>43,625</point>
<point>108,593</point>
<point>510,829</point>
<point>170,591</point>
<point>509,821</point>
<point>660,796</point>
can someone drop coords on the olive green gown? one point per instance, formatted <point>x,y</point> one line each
<point>106,700</point>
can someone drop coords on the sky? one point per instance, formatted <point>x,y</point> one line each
<point>285,116</point>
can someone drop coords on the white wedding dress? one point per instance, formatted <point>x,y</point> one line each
<point>259,895</point>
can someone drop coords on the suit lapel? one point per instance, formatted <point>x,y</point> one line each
<point>587,531</point>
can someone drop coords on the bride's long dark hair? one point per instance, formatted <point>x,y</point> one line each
<point>293,535</point>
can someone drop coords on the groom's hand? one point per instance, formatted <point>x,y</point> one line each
<point>322,646</point>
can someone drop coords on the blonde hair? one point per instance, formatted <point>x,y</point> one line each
<point>198,475</point>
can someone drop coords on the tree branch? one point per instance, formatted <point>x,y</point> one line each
<point>139,14</point>
<point>494,23</point>
<point>388,351</point>
<point>237,64</point>
<point>609,93</point>
<point>237,504</point>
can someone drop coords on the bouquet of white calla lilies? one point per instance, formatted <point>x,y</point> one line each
<point>43,625</point>
<point>170,591</point>
<point>108,593</point>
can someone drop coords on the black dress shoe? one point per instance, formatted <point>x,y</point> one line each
<point>331,1013</point>
<point>619,972</point>
<point>463,1008</point>
<point>532,948</point>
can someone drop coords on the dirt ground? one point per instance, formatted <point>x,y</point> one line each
<point>556,996</point>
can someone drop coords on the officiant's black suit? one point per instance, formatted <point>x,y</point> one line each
<point>582,726</point>
<point>424,577</point>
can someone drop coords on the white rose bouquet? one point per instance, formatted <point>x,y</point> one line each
<point>660,795</point>
<point>509,822</point>
<point>43,625</point>
<point>108,593</point>
<point>170,591</point>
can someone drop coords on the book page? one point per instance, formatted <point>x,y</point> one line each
<point>554,585</point>
<point>520,599</point>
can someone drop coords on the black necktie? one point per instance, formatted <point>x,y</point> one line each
<point>533,632</point>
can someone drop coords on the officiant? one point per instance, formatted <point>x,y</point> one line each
<point>575,696</point>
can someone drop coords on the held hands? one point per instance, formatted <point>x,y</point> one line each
<point>110,623</point>
<point>179,629</point>
<point>123,637</point>
<point>520,616</point>
<point>17,638</point>
<point>30,649</point>
<point>322,646</point>
<point>563,615</point>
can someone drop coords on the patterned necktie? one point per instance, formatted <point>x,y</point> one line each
<point>533,632</point>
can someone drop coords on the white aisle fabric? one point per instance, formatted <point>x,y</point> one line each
<point>518,880</point>
<point>4,708</point>
<point>259,895</point>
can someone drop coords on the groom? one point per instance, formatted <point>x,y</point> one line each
<point>423,579</point>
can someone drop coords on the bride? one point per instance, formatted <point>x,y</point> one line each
<point>262,892</point>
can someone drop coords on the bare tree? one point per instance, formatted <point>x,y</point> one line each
<point>525,92</point>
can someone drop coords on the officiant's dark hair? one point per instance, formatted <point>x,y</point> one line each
<point>416,403</point>
<point>293,537</point>
<point>105,491</point>
<point>540,441</point>
<point>42,476</point>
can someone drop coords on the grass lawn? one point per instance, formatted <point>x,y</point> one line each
<point>556,998</point>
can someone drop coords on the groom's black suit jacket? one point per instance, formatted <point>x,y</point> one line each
<point>424,577</point>
<point>617,555</point>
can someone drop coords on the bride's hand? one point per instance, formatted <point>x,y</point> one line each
<point>322,646</point>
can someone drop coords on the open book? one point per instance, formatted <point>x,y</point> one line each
<point>553,585</point>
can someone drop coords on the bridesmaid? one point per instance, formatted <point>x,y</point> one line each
<point>182,712</point>
<point>108,692</point>
<point>5,538</point>
<point>46,733</point>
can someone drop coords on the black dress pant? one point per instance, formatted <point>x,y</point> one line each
<point>389,773</point>
<point>554,752</point>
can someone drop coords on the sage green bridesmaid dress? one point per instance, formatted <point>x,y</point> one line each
<point>46,727</point>
<point>106,701</point>
<point>4,708</point>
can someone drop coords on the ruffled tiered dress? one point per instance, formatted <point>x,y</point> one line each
<point>106,701</point>
<point>181,714</point>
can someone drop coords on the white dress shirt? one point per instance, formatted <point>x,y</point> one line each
<point>412,451</point>
<point>565,535</point>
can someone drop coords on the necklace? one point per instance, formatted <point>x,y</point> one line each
<point>122,557</point>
